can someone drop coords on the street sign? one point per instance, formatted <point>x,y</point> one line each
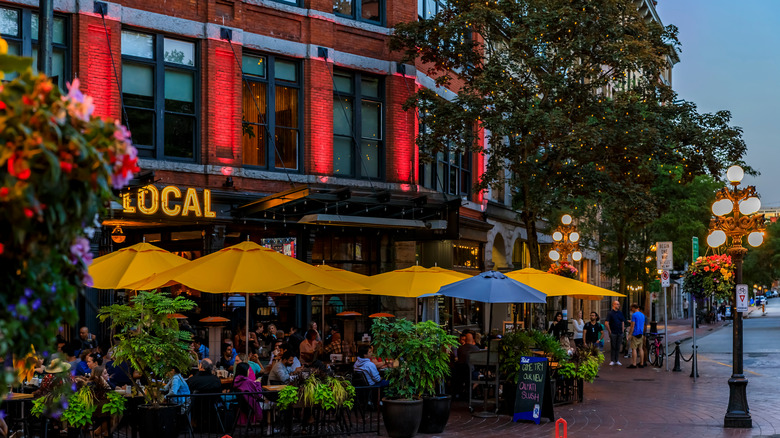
<point>663,255</point>
<point>742,298</point>
<point>665,279</point>
<point>654,297</point>
<point>695,246</point>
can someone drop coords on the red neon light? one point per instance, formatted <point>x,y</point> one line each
<point>226,123</point>
<point>320,141</point>
<point>480,163</point>
<point>401,128</point>
<point>99,81</point>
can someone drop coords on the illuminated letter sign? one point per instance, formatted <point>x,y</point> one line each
<point>149,200</point>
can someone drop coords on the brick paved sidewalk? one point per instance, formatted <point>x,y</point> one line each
<point>647,402</point>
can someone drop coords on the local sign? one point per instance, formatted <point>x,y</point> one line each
<point>742,298</point>
<point>695,248</point>
<point>663,256</point>
<point>170,201</point>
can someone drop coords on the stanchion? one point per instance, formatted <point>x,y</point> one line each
<point>560,422</point>
<point>695,366</point>
<point>677,355</point>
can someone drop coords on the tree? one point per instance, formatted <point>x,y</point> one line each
<point>762,264</point>
<point>533,74</point>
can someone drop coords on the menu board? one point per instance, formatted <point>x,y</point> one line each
<point>533,399</point>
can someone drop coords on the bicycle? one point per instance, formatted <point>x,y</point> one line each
<point>656,353</point>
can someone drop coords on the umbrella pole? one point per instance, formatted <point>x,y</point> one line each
<point>485,413</point>
<point>247,326</point>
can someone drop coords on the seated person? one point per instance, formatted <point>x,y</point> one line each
<point>200,348</point>
<point>277,356</point>
<point>82,369</point>
<point>257,369</point>
<point>309,347</point>
<point>119,375</point>
<point>204,382</point>
<point>365,366</point>
<point>241,358</point>
<point>242,383</point>
<point>176,386</point>
<point>281,372</point>
<point>57,374</point>
<point>227,360</point>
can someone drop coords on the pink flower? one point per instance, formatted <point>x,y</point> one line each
<point>79,105</point>
<point>87,280</point>
<point>79,251</point>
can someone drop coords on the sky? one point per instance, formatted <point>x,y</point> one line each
<point>730,61</point>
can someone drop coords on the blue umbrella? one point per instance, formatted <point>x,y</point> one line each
<point>491,287</point>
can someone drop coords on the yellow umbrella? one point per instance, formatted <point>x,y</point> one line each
<point>555,285</point>
<point>120,269</point>
<point>312,289</point>
<point>249,268</point>
<point>413,282</point>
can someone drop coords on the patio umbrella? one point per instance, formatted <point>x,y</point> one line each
<point>492,287</point>
<point>555,285</point>
<point>413,281</point>
<point>120,269</point>
<point>249,268</point>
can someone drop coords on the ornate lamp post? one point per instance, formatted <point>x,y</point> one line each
<point>743,222</point>
<point>566,241</point>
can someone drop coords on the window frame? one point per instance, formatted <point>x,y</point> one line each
<point>433,167</point>
<point>158,88</point>
<point>26,40</point>
<point>357,123</point>
<point>422,6</point>
<point>357,12</point>
<point>271,82</point>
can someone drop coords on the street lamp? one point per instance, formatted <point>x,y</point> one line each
<point>743,222</point>
<point>565,241</point>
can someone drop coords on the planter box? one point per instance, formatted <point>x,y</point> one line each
<point>566,390</point>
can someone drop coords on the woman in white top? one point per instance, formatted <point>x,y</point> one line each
<point>579,324</point>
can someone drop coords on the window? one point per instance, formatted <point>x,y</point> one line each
<point>160,94</point>
<point>358,125</point>
<point>19,27</point>
<point>449,172</point>
<point>426,9</point>
<point>275,83</point>
<point>362,10</point>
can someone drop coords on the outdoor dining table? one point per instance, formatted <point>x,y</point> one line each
<point>16,411</point>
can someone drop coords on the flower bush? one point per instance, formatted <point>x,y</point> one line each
<point>58,166</point>
<point>564,269</point>
<point>710,275</point>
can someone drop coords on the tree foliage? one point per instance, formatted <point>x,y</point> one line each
<point>762,263</point>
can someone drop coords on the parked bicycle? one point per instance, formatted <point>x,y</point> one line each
<point>656,353</point>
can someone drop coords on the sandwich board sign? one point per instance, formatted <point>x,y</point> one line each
<point>742,298</point>
<point>533,397</point>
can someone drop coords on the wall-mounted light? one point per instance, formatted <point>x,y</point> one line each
<point>228,182</point>
<point>117,235</point>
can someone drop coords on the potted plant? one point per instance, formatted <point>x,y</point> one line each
<point>151,343</point>
<point>423,352</point>
<point>710,275</point>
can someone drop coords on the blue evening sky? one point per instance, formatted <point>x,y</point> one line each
<point>730,61</point>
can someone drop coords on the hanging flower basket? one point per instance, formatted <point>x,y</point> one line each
<point>713,275</point>
<point>564,269</point>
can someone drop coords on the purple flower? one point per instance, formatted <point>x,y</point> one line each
<point>12,309</point>
<point>79,250</point>
<point>53,288</point>
<point>23,301</point>
<point>2,414</point>
<point>45,353</point>
<point>28,292</point>
<point>73,385</point>
<point>36,304</point>
<point>87,280</point>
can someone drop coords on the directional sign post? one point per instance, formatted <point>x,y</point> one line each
<point>742,298</point>
<point>663,256</point>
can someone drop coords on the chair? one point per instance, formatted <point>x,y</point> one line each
<point>184,418</point>
<point>242,406</point>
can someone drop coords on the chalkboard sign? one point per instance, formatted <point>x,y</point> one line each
<point>533,399</point>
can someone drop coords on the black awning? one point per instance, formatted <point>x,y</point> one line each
<point>358,207</point>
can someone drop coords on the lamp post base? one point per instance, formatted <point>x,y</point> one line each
<point>738,414</point>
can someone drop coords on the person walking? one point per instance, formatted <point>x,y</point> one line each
<point>637,336</point>
<point>615,323</point>
<point>685,307</point>
<point>579,326</point>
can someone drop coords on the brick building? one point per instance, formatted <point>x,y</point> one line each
<point>275,121</point>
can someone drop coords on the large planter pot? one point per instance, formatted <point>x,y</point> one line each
<point>158,421</point>
<point>436,413</point>
<point>402,417</point>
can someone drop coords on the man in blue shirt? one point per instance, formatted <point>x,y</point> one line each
<point>615,323</point>
<point>365,366</point>
<point>637,336</point>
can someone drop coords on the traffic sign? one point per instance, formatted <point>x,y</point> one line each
<point>695,247</point>
<point>742,298</point>
<point>665,279</point>
<point>663,256</point>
